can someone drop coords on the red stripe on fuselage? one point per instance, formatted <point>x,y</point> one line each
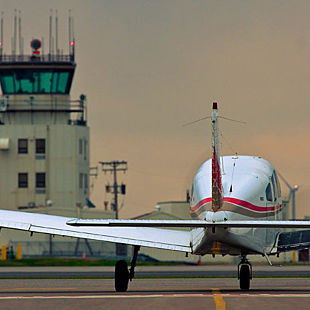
<point>200,203</point>
<point>238,202</point>
<point>248,205</point>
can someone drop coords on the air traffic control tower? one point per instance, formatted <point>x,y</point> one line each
<point>44,137</point>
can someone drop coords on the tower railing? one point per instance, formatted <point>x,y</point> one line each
<point>77,108</point>
<point>35,58</point>
<point>32,103</point>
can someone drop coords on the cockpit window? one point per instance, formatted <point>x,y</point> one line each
<point>274,186</point>
<point>269,192</point>
<point>278,184</point>
<point>192,193</point>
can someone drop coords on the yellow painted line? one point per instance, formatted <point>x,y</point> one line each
<point>218,299</point>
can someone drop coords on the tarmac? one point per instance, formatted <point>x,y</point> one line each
<point>155,293</point>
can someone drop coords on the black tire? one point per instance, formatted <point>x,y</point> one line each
<point>121,276</point>
<point>245,277</point>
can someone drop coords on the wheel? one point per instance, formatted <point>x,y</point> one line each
<point>245,277</point>
<point>121,276</point>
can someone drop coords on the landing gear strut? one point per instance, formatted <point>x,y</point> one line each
<point>122,274</point>
<point>244,273</point>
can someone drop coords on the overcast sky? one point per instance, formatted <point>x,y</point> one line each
<point>149,66</point>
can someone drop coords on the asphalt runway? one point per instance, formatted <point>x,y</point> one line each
<point>190,293</point>
<point>154,293</point>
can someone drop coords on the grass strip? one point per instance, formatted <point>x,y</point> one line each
<point>72,262</point>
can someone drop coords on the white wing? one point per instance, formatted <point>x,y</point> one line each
<point>57,225</point>
<point>132,232</point>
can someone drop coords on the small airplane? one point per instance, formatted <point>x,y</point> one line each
<point>236,207</point>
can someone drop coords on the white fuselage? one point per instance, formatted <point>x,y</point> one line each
<point>251,191</point>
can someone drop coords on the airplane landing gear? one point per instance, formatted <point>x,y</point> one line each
<point>244,273</point>
<point>122,274</point>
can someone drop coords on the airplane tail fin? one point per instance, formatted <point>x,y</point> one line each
<point>217,189</point>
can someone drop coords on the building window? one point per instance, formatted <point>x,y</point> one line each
<point>85,149</point>
<point>40,180</point>
<point>22,146</point>
<point>40,146</point>
<point>85,181</point>
<point>81,180</point>
<point>80,146</point>
<point>23,180</point>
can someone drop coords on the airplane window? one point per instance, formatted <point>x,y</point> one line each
<point>192,190</point>
<point>269,192</point>
<point>278,184</point>
<point>274,186</point>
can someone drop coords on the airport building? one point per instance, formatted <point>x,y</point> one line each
<point>44,140</point>
<point>44,137</point>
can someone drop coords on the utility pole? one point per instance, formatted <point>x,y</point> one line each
<point>114,167</point>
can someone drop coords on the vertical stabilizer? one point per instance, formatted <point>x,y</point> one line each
<point>217,189</point>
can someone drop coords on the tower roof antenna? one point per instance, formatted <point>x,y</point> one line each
<point>56,32</point>
<point>1,35</point>
<point>14,34</point>
<point>50,32</point>
<point>69,31</point>
<point>20,38</point>
<point>71,36</point>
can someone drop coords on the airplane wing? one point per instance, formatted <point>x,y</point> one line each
<point>188,223</point>
<point>57,225</point>
<point>142,232</point>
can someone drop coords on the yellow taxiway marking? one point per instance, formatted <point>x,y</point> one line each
<point>218,299</point>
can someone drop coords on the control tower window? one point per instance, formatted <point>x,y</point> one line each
<point>85,181</point>
<point>80,146</point>
<point>81,180</point>
<point>40,180</point>
<point>40,146</point>
<point>85,149</point>
<point>22,146</point>
<point>36,81</point>
<point>23,180</point>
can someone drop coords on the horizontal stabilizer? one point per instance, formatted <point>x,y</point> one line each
<point>189,223</point>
